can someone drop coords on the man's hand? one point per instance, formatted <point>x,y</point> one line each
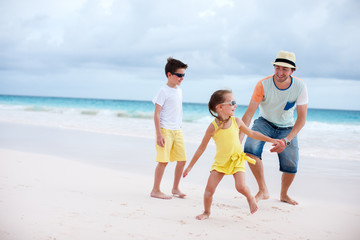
<point>279,146</point>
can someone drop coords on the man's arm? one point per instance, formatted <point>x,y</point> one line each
<point>299,124</point>
<point>248,115</point>
<point>300,121</point>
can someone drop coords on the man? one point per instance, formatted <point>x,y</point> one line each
<point>277,96</point>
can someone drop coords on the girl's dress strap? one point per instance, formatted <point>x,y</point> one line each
<point>215,125</point>
<point>233,119</point>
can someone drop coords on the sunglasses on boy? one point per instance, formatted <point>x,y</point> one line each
<point>229,103</point>
<point>180,75</point>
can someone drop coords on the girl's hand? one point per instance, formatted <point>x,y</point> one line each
<point>186,172</point>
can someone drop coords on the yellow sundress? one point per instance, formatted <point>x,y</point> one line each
<point>230,157</point>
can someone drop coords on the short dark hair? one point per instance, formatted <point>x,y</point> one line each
<point>173,64</point>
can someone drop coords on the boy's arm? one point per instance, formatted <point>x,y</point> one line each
<point>159,137</point>
<point>209,133</point>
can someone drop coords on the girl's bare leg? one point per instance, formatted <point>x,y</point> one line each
<point>213,181</point>
<point>244,190</point>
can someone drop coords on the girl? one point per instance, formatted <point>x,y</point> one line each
<point>229,158</point>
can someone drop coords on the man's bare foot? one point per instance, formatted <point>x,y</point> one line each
<point>160,195</point>
<point>203,216</point>
<point>178,194</point>
<point>253,205</point>
<point>262,195</point>
<point>287,199</point>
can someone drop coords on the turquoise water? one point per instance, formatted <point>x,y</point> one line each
<point>193,112</point>
<point>327,134</point>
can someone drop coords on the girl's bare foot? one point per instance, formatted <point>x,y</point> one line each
<point>160,195</point>
<point>203,216</point>
<point>252,205</point>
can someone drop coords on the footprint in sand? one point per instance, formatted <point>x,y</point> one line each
<point>279,209</point>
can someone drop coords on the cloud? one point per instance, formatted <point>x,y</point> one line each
<point>217,38</point>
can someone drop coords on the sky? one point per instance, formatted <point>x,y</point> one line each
<point>118,49</point>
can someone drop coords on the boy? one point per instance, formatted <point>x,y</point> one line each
<point>168,119</point>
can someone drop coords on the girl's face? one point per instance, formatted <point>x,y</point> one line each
<point>229,105</point>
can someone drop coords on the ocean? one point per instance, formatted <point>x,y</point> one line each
<point>327,133</point>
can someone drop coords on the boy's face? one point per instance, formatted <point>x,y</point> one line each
<point>173,79</point>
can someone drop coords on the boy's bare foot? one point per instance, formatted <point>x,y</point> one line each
<point>160,195</point>
<point>203,216</point>
<point>287,199</point>
<point>253,205</point>
<point>178,194</point>
<point>262,195</point>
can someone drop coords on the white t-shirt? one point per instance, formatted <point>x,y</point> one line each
<point>170,100</point>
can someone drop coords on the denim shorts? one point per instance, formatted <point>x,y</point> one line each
<point>288,159</point>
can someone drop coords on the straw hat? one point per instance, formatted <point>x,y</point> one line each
<point>285,59</point>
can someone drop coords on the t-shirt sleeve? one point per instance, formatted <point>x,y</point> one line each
<point>159,98</point>
<point>303,97</point>
<point>258,93</point>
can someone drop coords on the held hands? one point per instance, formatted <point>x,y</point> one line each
<point>278,146</point>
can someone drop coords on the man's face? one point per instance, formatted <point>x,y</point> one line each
<point>282,73</point>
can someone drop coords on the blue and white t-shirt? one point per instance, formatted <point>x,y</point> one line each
<point>278,105</point>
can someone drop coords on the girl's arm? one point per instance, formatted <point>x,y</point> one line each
<point>208,134</point>
<point>254,134</point>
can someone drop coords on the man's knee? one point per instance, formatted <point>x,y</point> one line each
<point>288,169</point>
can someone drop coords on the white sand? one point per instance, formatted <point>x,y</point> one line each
<point>47,196</point>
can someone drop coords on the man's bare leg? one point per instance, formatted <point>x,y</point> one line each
<point>258,172</point>
<point>286,180</point>
<point>177,177</point>
<point>159,172</point>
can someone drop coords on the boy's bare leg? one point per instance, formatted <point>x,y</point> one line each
<point>286,180</point>
<point>177,177</point>
<point>213,181</point>
<point>159,172</point>
<point>244,190</point>
<point>258,172</point>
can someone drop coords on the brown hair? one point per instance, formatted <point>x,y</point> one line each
<point>215,99</point>
<point>173,64</point>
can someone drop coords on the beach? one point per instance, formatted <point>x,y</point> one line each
<point>64,183</point>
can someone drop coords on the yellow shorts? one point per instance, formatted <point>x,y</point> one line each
<point>174,149</point>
